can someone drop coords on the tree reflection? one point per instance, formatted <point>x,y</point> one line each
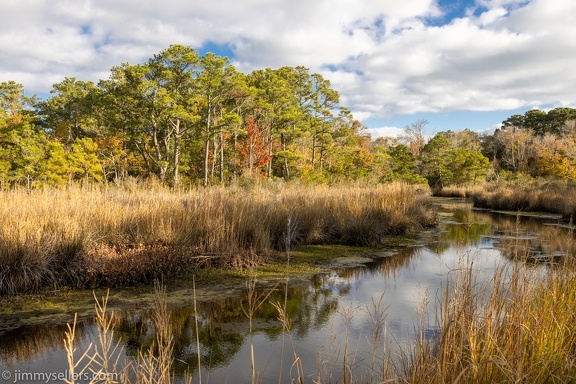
<point>26,343</point>
<point>223,327</point>
<point>461,227</point>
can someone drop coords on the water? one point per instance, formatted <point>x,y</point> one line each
<point>332,316</point>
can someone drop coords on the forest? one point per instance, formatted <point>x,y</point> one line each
<point>188,119</point>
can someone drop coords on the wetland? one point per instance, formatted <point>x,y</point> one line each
<point>353,312</point>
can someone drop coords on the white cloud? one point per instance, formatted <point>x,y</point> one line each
<point>385,132</point>
<point>385,58</point>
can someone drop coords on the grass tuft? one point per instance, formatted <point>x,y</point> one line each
<point>114,237</point>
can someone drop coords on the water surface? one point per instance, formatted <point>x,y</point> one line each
<point>334,317</point>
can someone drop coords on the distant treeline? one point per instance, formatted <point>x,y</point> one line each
<point>185,118</point>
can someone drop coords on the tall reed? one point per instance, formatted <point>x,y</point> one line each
<point>520,328</point>
<point>552,196</point>
<point>95,237</point>
<point>104,361</point>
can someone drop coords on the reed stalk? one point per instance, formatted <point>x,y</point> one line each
<point>116,237</point>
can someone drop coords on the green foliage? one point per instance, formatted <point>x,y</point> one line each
<point>83,160</point>
<point>182,117</point>
<point>444,164</point>
<point>540,122</point>
<point>70,113</point>
<point>55,167</point>
<point>402,165</point>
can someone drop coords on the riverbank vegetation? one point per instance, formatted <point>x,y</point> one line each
<point>185,119</point>
<point>530,195</point>
<point>515,327</point>
<point>113,236</point>
<point>182,120</point>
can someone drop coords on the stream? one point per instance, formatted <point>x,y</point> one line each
<point>347,317</point>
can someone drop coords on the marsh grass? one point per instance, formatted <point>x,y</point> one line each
<point>518,328</point>
<point>104,362</point>
<point>459,191</point>
<point>110,237</point>
<point>552,196</point>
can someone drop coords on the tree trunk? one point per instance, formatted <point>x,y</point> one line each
<point>313,151</point>
<point>175,175</point>
<point>221,157</point>
<point>207,146</point>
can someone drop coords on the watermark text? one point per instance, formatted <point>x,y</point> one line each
<point>18,376</point>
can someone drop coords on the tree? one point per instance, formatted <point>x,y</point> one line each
<point>436,161</point>
<point>215,83</point>
<point>512,148</point>
<point>55,168</point>
<point>403,165</point>
<point>413,136</point>
<point>255,148</point>
<point>323,100</point>
<point>278,111</point>
<point>177,71</point>
<point>447,162</point>
<point>540,122</point>
<point>14,105</point>
<point>350,157</point>
<point>155,106</point>
<point>69,114</point>
<point>21,144</point>
<point>83,160</point>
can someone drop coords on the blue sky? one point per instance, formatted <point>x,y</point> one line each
<point>456,63</point>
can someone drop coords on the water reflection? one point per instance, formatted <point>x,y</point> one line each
<point>326,311</point>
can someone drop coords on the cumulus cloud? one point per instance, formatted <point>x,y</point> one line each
<point>385,58</point>
<point>385,132</point>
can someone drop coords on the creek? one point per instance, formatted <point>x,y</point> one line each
<point>335,316</point>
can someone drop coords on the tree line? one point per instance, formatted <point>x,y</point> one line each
<point>186,118</point>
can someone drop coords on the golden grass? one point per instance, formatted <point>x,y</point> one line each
<point>555,197</point>
<point>104,360</point>
<point>520,328</point>
<point>112,236</point>
<point>459,191</point>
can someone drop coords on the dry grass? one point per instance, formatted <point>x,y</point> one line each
<point>554,197</point>
<point>111,237</point>
<point>459,191</point>
<point>520,328</point>
<point>104,360</point>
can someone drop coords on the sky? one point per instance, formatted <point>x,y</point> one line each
<point>455,63</point>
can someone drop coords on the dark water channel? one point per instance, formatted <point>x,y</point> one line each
<point>332,315</point>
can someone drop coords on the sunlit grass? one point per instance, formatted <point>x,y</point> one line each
<point>553,196</point>
<point>114,236</point>
<point>518,328</point>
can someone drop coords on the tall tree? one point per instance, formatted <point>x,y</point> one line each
<point>413,136</point>
<point>324,100</point>
<point>177,70</point>
<point>69,114</point>
<point>215,84</point>
<point>512,147</point>
<point>21,144</point>
<point>448,159</point>
<point>278,110</point>
<point>156,105</point>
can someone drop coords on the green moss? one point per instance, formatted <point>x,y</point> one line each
<point>318,254</point>
<point>540,215</point>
